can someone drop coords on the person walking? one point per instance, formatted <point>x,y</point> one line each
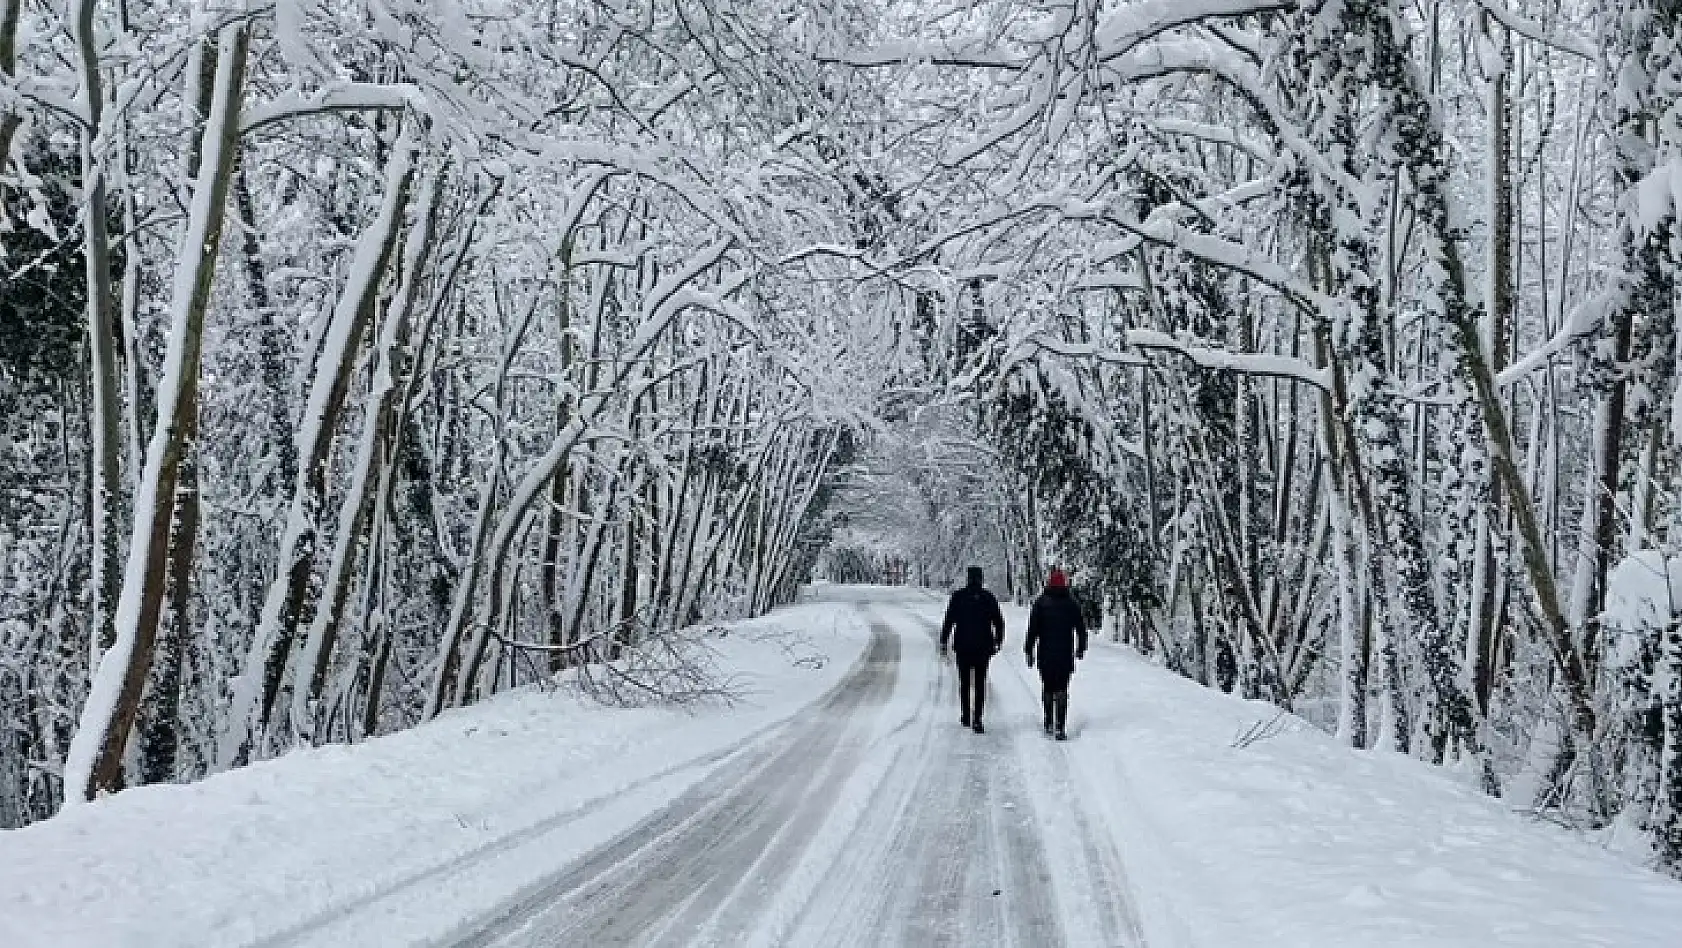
<point>976,630</point>
<point>1056,639</point>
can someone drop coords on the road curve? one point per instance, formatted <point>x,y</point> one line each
<point>870,819</point>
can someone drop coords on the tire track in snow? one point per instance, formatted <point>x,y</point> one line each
<point>854,894</point>
<point>972,867</point>
<point>728,908</point>
<point>1032,909</point>
<point>984,878</point>
<point>505,843</point>
<point>645,886</point>
<point>936,906</point>
<point>1067,808</point>
<point>838,833</point>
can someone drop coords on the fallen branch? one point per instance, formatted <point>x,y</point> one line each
<point>1262,731</point>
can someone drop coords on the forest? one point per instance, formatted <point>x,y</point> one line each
<point>360,359</point>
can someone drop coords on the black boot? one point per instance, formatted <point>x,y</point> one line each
<point>1045,702</point>
<point>1062,703</point>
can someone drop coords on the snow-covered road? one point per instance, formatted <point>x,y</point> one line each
<point>872,819</point>
<point>838,802</point>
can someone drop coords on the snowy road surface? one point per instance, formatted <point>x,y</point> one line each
<point>872,819</point>
<point>839,803</point>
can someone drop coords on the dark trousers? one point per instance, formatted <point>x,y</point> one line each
<point>972,674</point>
<point>1054,697</point>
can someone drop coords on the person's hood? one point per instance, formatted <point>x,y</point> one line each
<point>1061,592</point>
<point>973,576</point>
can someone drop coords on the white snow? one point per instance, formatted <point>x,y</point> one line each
<point>1296,841</point>
<point>1292,841</point>
<point>1644,590</point>
<point>339,96</point>
<point>243,856</point>
<point>1643,596</point>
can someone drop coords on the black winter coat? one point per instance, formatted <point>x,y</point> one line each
<point>1057,627</point>
<point>973,624</point>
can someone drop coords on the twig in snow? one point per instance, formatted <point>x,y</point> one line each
<point>1262,731</point>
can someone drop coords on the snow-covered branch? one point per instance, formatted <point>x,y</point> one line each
<point>339,97</point>
<point>1134,24</point>
<point>1197,351</point>
<point>1536,32</point>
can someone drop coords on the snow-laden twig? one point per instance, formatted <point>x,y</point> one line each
<point>1259,731</point>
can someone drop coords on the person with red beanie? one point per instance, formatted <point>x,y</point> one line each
<point>1056,639</point>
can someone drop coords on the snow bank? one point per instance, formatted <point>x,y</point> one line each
<point>429,826</point>
<point>1296,842</point>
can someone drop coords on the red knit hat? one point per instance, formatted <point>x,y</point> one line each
<point>1057,580</point>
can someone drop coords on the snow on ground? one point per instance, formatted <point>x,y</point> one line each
<point>831,812</point>
<point>1297,842</point>
<point>503,791</point>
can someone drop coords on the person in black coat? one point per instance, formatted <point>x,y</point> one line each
<point>976,630</point>
<point>1056,626</point>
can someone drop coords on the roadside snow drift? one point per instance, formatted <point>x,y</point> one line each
<point>870,819</point>
<point>513,786</point>
<point>1297,842</point>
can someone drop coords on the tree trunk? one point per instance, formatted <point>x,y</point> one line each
<point>104,427</point>
<point>1497,333</point>
<point>10,12</point>
<point>380,423</point>
<point>95,759</point>
<point>259,681</point>
<point>162,736</point>
<point>271,345</point>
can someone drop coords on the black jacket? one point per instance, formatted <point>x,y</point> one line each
<point>973,623</point>
<point>1057,627</point>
